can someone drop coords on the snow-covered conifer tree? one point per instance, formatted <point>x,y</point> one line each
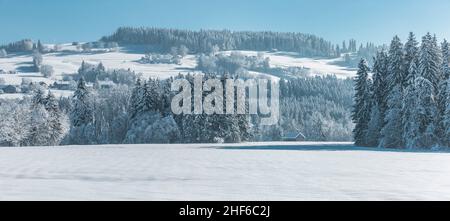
<point>409,105</point>
<point>411,56</point>
<point>396,73</point>
<point>58,122</point>
<point>40,47</point>
<point>39,122</point>
<point>379,99</point>
<point>362,106</point>
<point>136,100</point>
<point>82,130</point>
<point>446,118</point>
<point>442,95</point>
<point>425,114</point>
<point>391,134</point>
<point>82,112</point>
<point>430,61</point>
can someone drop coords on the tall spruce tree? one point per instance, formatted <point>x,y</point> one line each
<point>396,73</point>
<point>425,114</point>
<point>391,134</point>
<point>410,126</point>
<point>392,131</point>
<point>430,68</point>
<point>411,56</point>
<point>446,118</point>
<point>56,119</point>
<point>39,125</point>
<point>362,105</point>
<point>136,99</point>
<point>430,61</point>
<point>444,97</point>
<point>82,111</point>
<point>379,99</point>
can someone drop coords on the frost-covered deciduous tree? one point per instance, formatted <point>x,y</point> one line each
<point>15,122</point>
<point>47,71</point>
<point>37,61</point>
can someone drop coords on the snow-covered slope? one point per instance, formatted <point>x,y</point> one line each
<point>266,171</point>
<point>316,66</point>
<point>69,60</point>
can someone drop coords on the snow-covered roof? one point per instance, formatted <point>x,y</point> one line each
<point>294,134</point>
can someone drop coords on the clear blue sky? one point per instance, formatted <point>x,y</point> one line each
<point>335,20</point>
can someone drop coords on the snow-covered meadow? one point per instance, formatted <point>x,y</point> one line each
<point>254,171</point>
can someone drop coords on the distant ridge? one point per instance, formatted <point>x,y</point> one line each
<point>204,40</point>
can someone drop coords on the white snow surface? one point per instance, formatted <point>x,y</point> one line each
<point>254,171</point>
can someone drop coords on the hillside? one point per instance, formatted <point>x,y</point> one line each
<point>69,59</point>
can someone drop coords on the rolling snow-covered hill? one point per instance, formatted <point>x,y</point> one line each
<point>69,60</point>
<point>254,171</point>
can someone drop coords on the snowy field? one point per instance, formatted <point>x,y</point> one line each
<point>264,171</point>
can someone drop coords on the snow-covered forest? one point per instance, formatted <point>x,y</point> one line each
<point>138,111</point>
<point>405,103</point>
<point>205,40</point>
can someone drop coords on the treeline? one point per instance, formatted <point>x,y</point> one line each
<point>25,45</point>
<point>204,41</point>
<point>406,101</point>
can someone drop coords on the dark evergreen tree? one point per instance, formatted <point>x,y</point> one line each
<point>82,112</point>
<point>379,97</point>
<point>430,61</point>
<point>396,73</point>
<point>411,56</point>
<point>442,95</point>
<point>56,119</point>
<point>40,47</point>
<point>392,132</point>
<point>362,106</point>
